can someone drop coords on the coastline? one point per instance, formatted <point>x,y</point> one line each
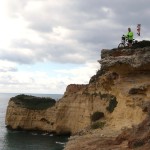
<point>11,139</point>
<point>114,105</point>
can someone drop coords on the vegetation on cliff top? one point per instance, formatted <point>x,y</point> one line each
<point>32,102</point>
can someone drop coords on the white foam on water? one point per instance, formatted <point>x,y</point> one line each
<point>51,135</point>
<point>44,133</point>
<point>60,143</point>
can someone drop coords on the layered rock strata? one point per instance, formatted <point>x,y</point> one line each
<point>119,90</point>
<point>125,74</point>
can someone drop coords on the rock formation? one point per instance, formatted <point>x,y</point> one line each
<point>119,91</point>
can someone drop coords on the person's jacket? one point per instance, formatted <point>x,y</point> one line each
<point>129,35</point>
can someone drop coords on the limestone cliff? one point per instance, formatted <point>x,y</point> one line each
<point>119,90</point>
<point>29,115</point>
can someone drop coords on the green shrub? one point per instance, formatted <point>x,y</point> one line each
<point>96,116</point>
<point>112,104</point>
<point>97,125</point>
<point>32,102</point>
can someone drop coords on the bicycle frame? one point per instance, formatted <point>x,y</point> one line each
<point>124,42</point>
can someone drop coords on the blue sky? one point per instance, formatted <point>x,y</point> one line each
<point>47,45</point>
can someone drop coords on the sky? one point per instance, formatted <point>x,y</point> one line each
<point>46,45</point>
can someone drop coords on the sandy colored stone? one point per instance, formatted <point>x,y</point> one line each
<point>124,74</point>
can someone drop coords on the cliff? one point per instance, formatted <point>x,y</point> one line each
<point>29,113</point>
<point>113,99</point>
<point>125,74</point>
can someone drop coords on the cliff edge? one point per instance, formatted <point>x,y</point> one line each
<point>113,100</point>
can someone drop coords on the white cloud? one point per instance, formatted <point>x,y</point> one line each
<point>42,82</point>
<point>6,66</point>
<point>66,31</point>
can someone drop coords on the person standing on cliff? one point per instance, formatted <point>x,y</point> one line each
<point>129,36</point>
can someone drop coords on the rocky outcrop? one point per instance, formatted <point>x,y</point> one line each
<point>119,91</point>
<point>74,88</point>
<point>22,114</point>
<point>125,74</point>
<point>126,60</point>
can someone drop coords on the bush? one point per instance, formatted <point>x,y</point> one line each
<point>96,116</point>
<point>112,104</point>
<point>32,102</point>
<point>97,125</point>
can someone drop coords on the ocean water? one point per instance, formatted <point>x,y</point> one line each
<point>23,140</point>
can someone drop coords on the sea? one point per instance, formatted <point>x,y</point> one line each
<point>25,140</point>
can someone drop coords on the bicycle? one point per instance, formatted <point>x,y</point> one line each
<point>124,42</point>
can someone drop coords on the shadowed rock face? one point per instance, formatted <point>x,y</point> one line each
<point>119,90</point>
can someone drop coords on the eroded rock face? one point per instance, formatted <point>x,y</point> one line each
<point>138,136</point>
<point>126,60</point>
<point>122,85</point>
<point>74,88</point>
<point>27,119</point>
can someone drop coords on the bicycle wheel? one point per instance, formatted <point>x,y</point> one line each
<point>121,45</point>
